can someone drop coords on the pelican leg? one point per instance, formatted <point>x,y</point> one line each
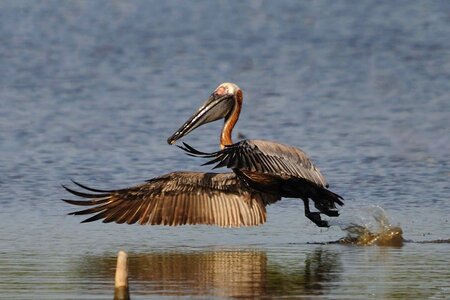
<point>325,209</point>
<point>331,213</point>
<point>314,216</point>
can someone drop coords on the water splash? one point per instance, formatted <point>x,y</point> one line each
<point>373,228</point>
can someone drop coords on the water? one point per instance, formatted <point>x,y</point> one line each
<point>90,90</point>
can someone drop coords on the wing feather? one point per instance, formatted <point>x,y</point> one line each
<point>265,157</point>
<point>176,199</point>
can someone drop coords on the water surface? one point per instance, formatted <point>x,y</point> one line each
<point>91,90</point>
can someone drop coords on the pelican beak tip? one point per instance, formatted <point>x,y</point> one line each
<point>173,139</point>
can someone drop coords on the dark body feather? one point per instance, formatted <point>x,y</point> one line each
<point>275,168</point>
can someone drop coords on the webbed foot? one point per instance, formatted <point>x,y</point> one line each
<point>316,219</point>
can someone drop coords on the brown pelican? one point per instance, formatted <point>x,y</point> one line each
<point>263,173</point>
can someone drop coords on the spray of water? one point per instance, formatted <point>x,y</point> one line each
<point>371,226</point>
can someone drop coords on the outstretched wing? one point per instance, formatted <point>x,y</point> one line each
<point>264,157</point>
<point>178,198</point>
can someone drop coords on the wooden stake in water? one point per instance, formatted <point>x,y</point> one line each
<point>121,291</point>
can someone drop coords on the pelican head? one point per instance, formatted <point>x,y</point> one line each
<point>219,105</point>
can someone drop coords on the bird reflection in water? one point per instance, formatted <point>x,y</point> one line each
<point>224,273</point>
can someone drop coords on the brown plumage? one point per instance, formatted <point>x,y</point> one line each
<point>277,169</point>
<point>264,166</point>
<point>265,157</point>
<point>263,172</point>
<point>178,198</point>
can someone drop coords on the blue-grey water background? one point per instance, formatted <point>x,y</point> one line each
<point>90,90</point>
